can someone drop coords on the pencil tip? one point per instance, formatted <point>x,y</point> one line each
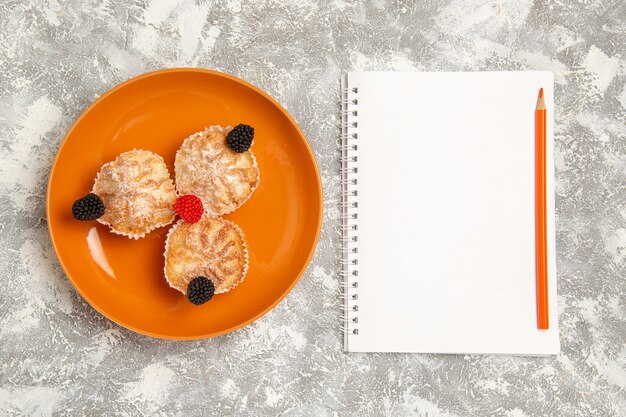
<point>540,92</point>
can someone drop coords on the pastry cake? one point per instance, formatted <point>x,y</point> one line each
<point>218,166</point>
<point>137,193</point>
<point>210,248</point>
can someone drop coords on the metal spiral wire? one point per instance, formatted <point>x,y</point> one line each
<point>349,212</point>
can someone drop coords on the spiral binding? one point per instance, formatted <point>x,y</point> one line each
<point>349,213</point>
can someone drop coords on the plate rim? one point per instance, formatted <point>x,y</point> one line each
<point>256,89</point>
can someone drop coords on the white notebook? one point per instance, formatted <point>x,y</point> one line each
<point>438,174</point>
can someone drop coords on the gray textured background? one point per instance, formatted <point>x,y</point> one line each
<point>59,356</point>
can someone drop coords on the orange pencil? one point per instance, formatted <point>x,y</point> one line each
<point>540,214</point>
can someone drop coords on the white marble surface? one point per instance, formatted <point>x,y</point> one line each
<point>60,357</point>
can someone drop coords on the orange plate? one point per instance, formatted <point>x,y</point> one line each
<point>123,278</point>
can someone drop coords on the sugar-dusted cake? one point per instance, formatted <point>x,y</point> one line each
<point>208,253</point>
<point>218,166</point>
<point>133,195</point>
